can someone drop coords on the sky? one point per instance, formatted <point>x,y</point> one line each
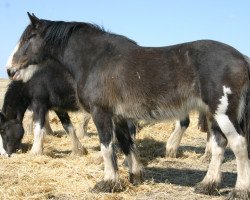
<point>149,23</point>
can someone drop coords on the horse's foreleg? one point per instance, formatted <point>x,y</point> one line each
<point>39,130</point>
<point>104,125</point>
<point>175,137</point>
<point>30,117</point>
<point>77,148</point>
<point>210,184</point>
<point>126,142</point>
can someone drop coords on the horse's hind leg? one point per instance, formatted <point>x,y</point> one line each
<point>126,142</point>
<point>83,127</point>
<point>77,148</point>
<point>47,126</point>
<point>175,137</point>
<point>210,184</point>
<point>203,127</point>
<point>238,145</point>
<point>105,128</point>
<point>132,128</point>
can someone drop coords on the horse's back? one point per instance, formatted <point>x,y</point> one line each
<point>145,82</point>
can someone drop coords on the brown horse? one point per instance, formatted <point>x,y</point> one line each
<point>119,80</point>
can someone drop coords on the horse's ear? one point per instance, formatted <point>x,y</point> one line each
<point>33,19</point>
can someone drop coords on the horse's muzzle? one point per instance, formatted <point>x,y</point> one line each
<point>11,72</point>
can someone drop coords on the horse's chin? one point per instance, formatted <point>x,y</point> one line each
<point>25,74</point>
<point>17,76</point>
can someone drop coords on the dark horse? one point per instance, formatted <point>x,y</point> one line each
<point>118,80</point>
<point>11,133</point>
<point>41,92</point>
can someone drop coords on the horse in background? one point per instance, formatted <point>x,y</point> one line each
<point>42,92</point>
<point>119,80</point>
<point>10,129</point>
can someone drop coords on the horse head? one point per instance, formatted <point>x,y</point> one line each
<point>29,50</point>
<point>12,133</point>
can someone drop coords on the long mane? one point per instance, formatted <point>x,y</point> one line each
<point>57,33</point>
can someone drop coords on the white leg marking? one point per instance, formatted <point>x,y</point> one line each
<point>175,139</point>
<point>37,147</point>
<point>237,143</point>
<point>239,147</point>
<point>110,171</point>
<point>214,174</point>
<point>2,150</point>
<point>135,166</point>
<point>10,59</point>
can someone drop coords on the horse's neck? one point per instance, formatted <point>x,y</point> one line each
<point>78,59</point>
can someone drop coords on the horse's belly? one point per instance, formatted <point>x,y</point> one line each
<point>160,111</point>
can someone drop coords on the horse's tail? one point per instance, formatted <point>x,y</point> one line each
<point>245,123</point>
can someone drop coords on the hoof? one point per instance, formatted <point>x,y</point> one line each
<point>3,153</point>
<point>136,179</point>
<point>239,195</point>
<point>36,152</point>
<point>209,188</point>
<point>107,187</point>
<point>79,152</point>
<point>171,153</point>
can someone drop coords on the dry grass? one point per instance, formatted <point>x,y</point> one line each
<point>59,175</point>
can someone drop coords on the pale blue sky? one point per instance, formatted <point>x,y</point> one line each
<point>150,23</point>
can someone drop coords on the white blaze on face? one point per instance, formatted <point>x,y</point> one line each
<point>10,59</point>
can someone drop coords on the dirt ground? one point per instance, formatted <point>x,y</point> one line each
<point>59,175</point>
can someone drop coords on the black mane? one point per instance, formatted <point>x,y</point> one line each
<point>57,33</point>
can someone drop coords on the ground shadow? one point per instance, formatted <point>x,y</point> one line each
<point>59,134</point>
<point>90,134</point>
<point>150,149</point>
<point>184,177</point>
<point>58,154</point>
<point>25,147</point>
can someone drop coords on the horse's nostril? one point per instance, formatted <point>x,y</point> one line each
<point>10,73</point>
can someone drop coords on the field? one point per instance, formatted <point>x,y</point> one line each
<point>59,175</point>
